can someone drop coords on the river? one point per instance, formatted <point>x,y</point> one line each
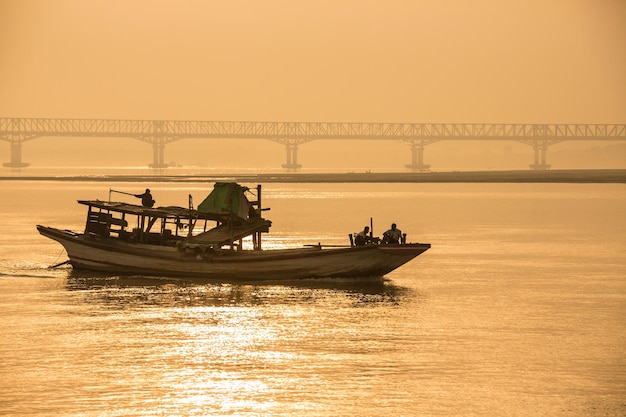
<point>518,309</point>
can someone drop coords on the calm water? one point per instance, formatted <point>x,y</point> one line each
<point>519,309</point>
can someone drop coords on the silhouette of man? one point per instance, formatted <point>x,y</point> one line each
<point>363,237</point>
<point>392,235</point>
<point>146,198</point>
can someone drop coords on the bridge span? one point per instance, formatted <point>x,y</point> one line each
<point>16,131</point>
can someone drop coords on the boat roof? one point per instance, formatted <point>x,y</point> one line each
<point>160,212</point>
<point>227,233</point>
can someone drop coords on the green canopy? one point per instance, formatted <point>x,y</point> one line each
<point>226,197</point>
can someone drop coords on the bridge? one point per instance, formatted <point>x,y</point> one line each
<point>158,133</point>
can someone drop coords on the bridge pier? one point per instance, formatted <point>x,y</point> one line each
<point>16,156</point>
<point>158,147</point>
<point>292,157</point>
<point>417,156</point>
<point>541,148</point>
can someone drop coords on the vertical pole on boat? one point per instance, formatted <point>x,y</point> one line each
<point>88,218</point>
<point>231,217</point>
<point>371,227</point>
<point>141,229</point>
<point>190,215</point>
<point>258,193</point>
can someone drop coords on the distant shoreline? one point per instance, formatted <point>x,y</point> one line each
<point>527,176</point>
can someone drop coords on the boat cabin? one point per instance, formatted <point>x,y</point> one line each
<point>223,219</point>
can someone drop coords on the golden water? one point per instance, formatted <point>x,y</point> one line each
<point>518,309</point>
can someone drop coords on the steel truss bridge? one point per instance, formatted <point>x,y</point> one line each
<point>16,131</point>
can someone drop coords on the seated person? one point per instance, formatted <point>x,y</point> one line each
<point>363,237</point>
<point>392,235</point>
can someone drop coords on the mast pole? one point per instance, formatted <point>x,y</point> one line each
<point>258,192</point>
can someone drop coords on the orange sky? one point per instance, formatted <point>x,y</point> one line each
<point>484,61</point>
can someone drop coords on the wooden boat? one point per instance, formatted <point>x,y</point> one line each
<point>171,241</point>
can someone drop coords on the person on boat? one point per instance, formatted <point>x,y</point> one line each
<point>146,198</point>
<point>363,237</point>
<point>392,235</point>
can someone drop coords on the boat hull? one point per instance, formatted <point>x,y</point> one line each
<point>115,256</point>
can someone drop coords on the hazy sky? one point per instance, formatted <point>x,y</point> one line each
<point>491,61</point>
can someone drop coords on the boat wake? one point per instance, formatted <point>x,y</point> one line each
<point>28,269</point>
<point>17,275</point>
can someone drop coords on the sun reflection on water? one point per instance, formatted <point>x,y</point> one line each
<point>230,349</point>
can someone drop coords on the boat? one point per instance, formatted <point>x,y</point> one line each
<point>220,239</point>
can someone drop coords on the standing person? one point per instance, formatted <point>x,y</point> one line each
<point>363,237</point>
<point>392,235</point>
<point>146,198</point>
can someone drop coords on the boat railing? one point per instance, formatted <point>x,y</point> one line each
<point>99,223</point>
